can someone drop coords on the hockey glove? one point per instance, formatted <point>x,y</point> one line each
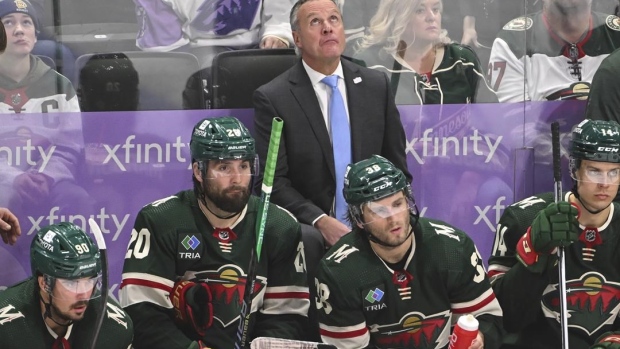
<point>553,227</point>
<point>608,340</point>
<point>192,304</point>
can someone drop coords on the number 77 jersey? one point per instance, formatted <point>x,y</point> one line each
<point>530,61</point>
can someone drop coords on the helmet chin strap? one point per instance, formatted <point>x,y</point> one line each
<point>204,203</point>
<point>577,196</point>
<point>48,311</point>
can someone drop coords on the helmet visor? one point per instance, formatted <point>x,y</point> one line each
<point>374,211</point>
<point>232,167</point>
<point>598,176</point>
<point>70,288</point>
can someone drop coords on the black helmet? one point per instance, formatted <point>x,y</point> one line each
<point>596,140</point>
<point>108,82</point>
<point>64,251</point>
<point>221,138</point>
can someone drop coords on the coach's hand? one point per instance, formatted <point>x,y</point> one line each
<point>192,304</point>
<point>555,226</point>
<point>608,340</point>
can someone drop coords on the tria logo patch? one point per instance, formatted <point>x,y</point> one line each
<point>190,242</point>
<point>188,246</point>
<point>374,295</point>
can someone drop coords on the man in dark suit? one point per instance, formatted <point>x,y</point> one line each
<point>305,181</point>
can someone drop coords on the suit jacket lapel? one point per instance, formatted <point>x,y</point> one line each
<point>303,91</point>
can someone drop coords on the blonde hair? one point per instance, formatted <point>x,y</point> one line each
<point>388,25</point>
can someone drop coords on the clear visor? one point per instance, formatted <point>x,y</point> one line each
<point>374,211</point>
<point>232,168</point>
<point>593,175</point>
<point>69,289</point>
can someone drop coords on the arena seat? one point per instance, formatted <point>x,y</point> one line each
<point>162,77</point>
<point>236,74</point>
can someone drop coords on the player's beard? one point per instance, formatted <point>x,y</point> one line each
<point>232,199</point>
<point>67,316</point>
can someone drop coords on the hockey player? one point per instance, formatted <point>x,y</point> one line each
<point>523,266</point>
<point>55,308</point>
<point>552,54</point>
<point>186,265</point>
<point>399,280</point>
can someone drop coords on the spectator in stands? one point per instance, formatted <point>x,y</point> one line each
<point>552,54</point>
<point>9,226</point>
<point>407,42</point>
<point>47,44</point>
<point>46,175</point>
<point>205,29</point>
<point>483,19</point>
<point>305,180</point>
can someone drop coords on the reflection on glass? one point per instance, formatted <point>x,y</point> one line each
<point>406,40</point>
<point>552,54</point>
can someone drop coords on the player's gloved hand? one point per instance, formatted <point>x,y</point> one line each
<point>192,304</point>
<point>608,340</point>
<point>553,227</point>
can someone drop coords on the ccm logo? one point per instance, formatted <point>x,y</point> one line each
<point>609,149</point>
<point>382,186</point>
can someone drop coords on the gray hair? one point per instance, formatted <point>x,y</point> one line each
<point>294,20</point>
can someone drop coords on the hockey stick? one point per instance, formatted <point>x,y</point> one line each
<point>557,179</point>
<point>94,227</point>
<point>261,219</point>
<point>279,343</point>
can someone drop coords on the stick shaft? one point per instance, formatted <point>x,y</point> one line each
<point>94,227</point>
<point>261,219</point>
<point>557,179</point>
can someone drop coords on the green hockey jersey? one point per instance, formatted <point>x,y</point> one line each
<point>531,301</point>
<point>173,240</point>
<point>363,303</point>
<point>22,325</point>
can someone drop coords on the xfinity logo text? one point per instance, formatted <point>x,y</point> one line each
<point>103,219</point>
<point>433,146</point>
<point>132,152</point>
<point>26,154</point>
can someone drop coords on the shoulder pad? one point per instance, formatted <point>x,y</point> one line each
<point>519,24</point>
<point>613,22</point>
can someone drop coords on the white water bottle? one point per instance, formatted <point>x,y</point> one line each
<point>465,331</point>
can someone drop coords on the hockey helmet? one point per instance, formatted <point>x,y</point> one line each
<point>596,140</point>
<point>64,251</point>
<point>221,138</point>
<point>372,179</point>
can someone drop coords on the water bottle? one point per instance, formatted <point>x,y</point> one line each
<point>464,333</point>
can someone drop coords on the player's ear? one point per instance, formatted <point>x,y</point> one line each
<point>197,172</point>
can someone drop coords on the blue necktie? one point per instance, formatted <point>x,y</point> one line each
<point>341,142</point>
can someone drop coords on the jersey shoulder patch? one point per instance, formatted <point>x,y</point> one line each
<point>519,24</point>
<point>613,22</point>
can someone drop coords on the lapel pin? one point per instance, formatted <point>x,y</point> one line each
<point>357,80</point>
